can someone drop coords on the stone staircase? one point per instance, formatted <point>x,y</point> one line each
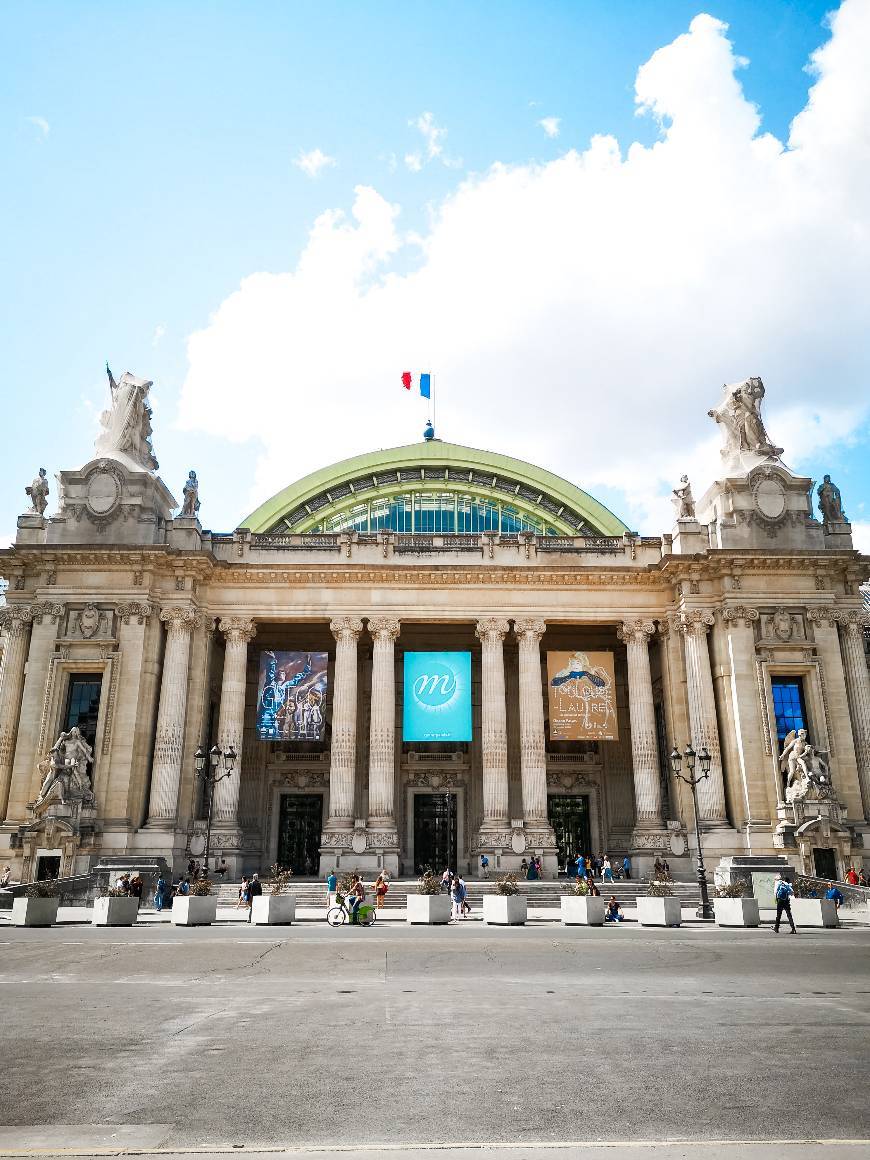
<point>311,893</point>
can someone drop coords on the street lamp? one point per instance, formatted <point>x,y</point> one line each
<point>705,910</point>
<point>207,765</point>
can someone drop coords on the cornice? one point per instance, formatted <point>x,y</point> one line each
<point>442,576</point>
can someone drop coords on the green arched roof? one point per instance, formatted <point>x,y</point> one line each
<point>438,467</point>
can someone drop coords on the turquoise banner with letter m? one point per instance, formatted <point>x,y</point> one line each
<point>437,696</point>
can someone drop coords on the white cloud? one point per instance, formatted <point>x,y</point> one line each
<point>584,313</point>
<point>159,331</point>
<point>314,162</point>
<point>41,124</point>
<point>434,137</point>
<point>550,125</point>
<point>861,536</point>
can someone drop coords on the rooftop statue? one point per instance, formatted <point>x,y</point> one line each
<point>191,496</point>
<point>126,433</point>
<point>38,492</point>
<point>683,500</point>
<point>739,416</point>
<point>830,502</point>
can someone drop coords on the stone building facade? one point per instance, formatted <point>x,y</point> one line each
<point>146,631</point>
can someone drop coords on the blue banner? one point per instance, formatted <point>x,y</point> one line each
<point>437,698</point>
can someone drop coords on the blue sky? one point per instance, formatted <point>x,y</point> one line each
<point>152,164</point>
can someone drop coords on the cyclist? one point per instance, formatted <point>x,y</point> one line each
<point>356,897</point>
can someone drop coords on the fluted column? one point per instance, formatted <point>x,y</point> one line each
<point>491,633</point>
<point>533,759</point>
<point>16,619</point>
<point>342,769</point>
<point>853,622</point>
<point>382,734</point>
<point>695,625</point>
<point>644,744</point>
<point>169,740</point>
<point>239,631</point>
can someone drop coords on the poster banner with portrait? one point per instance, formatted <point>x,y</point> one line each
<point>582,696</point>
<point>291,696</point>
<point>437,699</point>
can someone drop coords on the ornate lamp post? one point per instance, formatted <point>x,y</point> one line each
<point>206,765</point>
<point>705,910</point>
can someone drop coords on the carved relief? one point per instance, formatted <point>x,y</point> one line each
<point>740,612</point>
<point>139,609</point>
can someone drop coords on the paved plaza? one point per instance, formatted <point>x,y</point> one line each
<point>161,1039</point>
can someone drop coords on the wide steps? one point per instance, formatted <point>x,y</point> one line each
<point>540,893</point>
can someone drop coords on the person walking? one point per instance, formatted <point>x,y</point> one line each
<point>626,867</point>
<point>784,893</point>
<point>446,880</point>
<point>458,893</point>
<point>381,889</point>
<point>243,892</point>
<point>255,889</point>
<point>484,866</point>
<point>159,893</point>
<point>607,870</point>
<point>331,884</point>
<point>852,876</point>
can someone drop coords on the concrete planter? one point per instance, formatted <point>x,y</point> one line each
<point>582,910</point>
<point>814,912</point>
<point>273,909</point>
<point>115,911</point>
<point>194,910</point>
<point>34,911</point>
<point>658,911</point>
<point>736,911</point>
<point>504,909</point>
<point>429,909</point>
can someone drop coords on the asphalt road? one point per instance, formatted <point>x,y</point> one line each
<point>304,1036</point>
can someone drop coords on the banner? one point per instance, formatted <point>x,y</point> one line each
<point>437,699</point>
<point>582,696</point>
<point>291,696</point>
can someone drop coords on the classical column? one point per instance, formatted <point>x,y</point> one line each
<point>238,630</point>
<point>342,770</point>
<point>169,739</point>
<point>16,619</point>
<point>491,633</point>
<point>644,744</point>
<point>853,622</point>
<point>695,625</point>
<point>533,760</point>
<point>382,734</point>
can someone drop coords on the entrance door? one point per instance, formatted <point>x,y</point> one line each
<point>47,867</point>
<point>434,831</point>
<point>299,827</point>
<point>569,816</point>
<point>826,865</point>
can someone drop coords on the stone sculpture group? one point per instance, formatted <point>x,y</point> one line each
<point>66,769</point>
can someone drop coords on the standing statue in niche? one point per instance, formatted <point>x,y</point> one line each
<point>831,503</point>
<point>739,415</point>
<point>683,500</point>
<point>38,492</point>
<point>191,496</point>
<point>126,433</point>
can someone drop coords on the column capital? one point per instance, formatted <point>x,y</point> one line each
<point>854,620</point>
<point>491,628</point>
<point>384,627</point>
<point>51,608</point>
<point>238,628</point>
<point>740,612</point>
<point>141,609</point>
<point>177,618</point>
<point>696,621</point>
<point>530,628</point>
<point>346,627</point>
<point>636,631</point>
<point>823,612</point>
<point>15,617</point>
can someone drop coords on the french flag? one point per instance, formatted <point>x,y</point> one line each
<point>423,382</point>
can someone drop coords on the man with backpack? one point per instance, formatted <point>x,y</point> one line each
<point>784,893</point>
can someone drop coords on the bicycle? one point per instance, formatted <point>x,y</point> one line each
<point>339,914</point>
